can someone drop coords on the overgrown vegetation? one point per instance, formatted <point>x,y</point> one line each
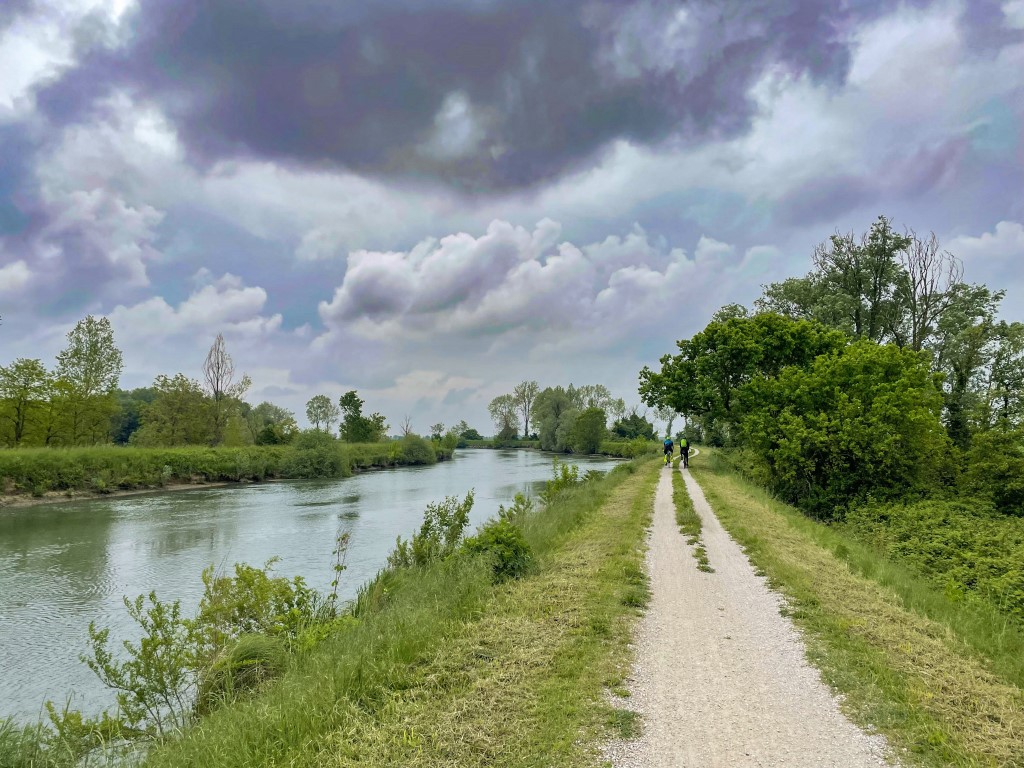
<point>941,677</point>
<point>37,472</point>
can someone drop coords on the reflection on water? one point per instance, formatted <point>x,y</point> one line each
<point>64,565</point>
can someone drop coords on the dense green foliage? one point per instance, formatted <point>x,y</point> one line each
<point>312,454</point>
<point>962,546</point>
<point>880,392</point>
<point>856,423</point>
<point>356,428</point>
<point>502,543</point>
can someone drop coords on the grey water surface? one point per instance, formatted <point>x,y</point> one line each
<point>64,565</point>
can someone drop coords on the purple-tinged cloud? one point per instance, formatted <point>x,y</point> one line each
<point>482,95</point>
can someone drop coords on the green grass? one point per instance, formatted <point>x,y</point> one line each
<point>941,679</point>
<point>689,521</point>
<point>443,669</point>
<point>106,469</point>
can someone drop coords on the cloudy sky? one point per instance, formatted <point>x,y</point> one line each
<point>430,201</point>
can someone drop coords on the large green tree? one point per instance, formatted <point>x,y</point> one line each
<point>181,414</point>
<point>524,394</point>
<point>321,410</point>
<point>504,411</point>
<point>356,428</point>
<point>23,392</point>
<point>588,431</point>
<point>702,380</point>
<point>554,412</point>
<point>857,423</point>
<point>89,368</point>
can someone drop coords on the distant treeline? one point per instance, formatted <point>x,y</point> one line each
<point>568,419</point>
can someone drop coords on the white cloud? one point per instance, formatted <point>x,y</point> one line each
<point>224,305</point>
<point>14,277</point>
<point>995,259</point>
<point>514,287</point>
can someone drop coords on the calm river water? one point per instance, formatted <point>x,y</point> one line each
<point>64,565</point>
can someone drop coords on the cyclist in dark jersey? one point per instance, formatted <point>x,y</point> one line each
<point>669,445</point>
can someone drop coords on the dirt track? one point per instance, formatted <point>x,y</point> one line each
<point>721,678</point>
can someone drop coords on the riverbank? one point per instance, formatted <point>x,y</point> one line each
<point>445,668</point>
<point>50,475</point>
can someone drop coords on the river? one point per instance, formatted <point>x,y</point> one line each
<point>64,565</point>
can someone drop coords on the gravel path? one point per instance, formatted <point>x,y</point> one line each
<point>721,677</point>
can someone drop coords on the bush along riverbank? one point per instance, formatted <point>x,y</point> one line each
<point>496,648</point>
<point>914,627</point>
<point>42,473</point>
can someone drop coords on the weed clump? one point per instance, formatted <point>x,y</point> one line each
<point>504,544</point>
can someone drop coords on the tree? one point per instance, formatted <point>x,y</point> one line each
<point>321,410</point>
<point>356,428</point>
<point>702,380</point>
<point>219,374</point>
<point>858,422</point>
<point>271,424</point>
<point>862,276</point>
<point>504,413</point>
<point>524,394</point>
<point>23,388</point>
<point>634,426</point>
<point>89,367</point>
<point>553,413</point>
<point>179,414</point>
<point>666,414</point>
<point>924,290</point>
<point>1004,389</point>
<point>128,417</point>
<point>963,347</point>
<point>436,431</point>
<point>588,431</point>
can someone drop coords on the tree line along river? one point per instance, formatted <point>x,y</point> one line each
<point>64,565</point>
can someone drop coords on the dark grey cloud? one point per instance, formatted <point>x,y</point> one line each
<point>477,93</point>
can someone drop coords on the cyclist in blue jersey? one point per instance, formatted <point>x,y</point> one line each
<point>669,445</point>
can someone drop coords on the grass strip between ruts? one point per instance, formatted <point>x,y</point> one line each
<point>454,672</point>
<point>923,684</point>
<point>689,521</point>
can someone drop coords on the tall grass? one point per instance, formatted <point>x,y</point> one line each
<point>442,667</point>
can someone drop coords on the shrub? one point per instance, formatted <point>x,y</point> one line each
<point>962,546</point>
<point>316,454</point>
<point>241,669</point>
<point>995,469</point>
<point>416,450</point>
<point>439,535</point>
<point>503,543</point>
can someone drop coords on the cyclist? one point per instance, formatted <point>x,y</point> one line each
<point>684,450</point>
<point>669,445</point>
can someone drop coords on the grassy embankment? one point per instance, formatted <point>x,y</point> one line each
<point>43,472</point>
<point>442,668</point>
<point>941,677</point>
